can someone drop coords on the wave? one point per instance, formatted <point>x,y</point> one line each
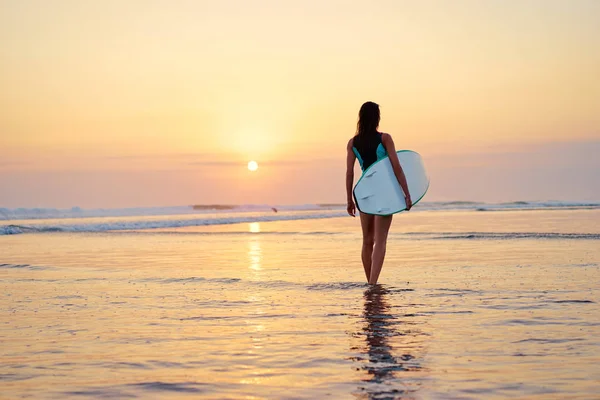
<point>144,224</point>
<point>213,207</point>
<point>495,235</point>
<point>22,266</point>
<point>508,206</point>
<point>77,212</point>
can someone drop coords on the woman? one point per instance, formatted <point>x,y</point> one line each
<point>369,146</point>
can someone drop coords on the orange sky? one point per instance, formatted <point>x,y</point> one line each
<point>107,104</point>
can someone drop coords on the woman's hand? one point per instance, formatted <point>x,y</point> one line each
<point>408,202</point>
<point>351,208</point>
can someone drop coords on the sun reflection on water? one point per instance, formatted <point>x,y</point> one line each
<point>255,255</point>
<point>254,227</point>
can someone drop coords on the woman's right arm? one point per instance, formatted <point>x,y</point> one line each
<point>350,159</point>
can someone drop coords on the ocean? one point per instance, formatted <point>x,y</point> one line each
<point>475,301</point>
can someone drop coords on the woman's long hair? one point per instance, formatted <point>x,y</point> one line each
<point>368,119</point>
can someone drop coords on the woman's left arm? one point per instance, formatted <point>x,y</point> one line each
<point>390,147</point>
<point>350,158</point>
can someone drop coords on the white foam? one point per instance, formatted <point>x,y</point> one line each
<point>77,212</point>
<point>97,220</point>
<point>111,224</point>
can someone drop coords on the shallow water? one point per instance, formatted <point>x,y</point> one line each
<point>471,305</point>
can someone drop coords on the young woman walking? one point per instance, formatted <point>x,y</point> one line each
<point>369,145</point>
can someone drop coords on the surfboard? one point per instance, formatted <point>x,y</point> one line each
<point>378,192</point>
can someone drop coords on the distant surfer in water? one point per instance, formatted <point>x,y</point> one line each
<point>369,145</point>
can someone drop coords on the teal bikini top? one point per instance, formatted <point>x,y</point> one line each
<point>368,149</point>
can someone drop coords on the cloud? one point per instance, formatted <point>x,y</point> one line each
<point>9,164</point>
<point>568,154</point>
<point>550,171</point>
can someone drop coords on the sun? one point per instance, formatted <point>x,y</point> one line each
<point>252,166</point>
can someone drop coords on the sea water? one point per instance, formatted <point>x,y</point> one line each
<point>502,303</point>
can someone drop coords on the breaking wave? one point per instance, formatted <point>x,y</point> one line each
<point>496,235</point>
<point>77,212</point>
<point>145,223</point>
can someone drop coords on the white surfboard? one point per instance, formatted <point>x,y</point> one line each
<point>378,191</point>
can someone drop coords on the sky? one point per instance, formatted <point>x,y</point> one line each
<point>156,103</point>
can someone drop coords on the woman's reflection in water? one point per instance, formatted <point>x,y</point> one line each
<point>390,375</point>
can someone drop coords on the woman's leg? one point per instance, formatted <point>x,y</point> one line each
<point>367,224</point>
<point>382,227</point>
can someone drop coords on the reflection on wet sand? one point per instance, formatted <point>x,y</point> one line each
<point>392,350</point>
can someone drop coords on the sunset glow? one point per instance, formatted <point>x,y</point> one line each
<point>121,99</point>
